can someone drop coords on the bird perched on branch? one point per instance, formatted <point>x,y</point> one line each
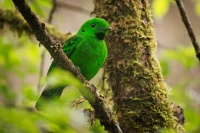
<point>87,50</point>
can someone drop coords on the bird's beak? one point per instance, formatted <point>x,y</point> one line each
<point>109,28</point>
<point>101,32</point>
<point>105,29</point>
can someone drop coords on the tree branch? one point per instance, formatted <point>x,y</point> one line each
<point>54,47</point>
<point>16,23</point>
<point>72,7</point>
<point>52,11</point>
<point>188,27</point>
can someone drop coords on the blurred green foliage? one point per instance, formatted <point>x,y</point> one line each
<point>160,8</point>
<point>184,57</point>
<point>20,57</point>
<point>180,96</point>
<point>42,11</point>
<point>197,7</point>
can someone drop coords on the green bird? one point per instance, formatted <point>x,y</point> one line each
<point>87,50</point>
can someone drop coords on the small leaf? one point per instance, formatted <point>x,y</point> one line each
<point>197,8</point>
<point>160,8</point>
<point>165,67</point>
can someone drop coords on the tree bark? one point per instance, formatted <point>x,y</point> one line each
<point>134,74</point>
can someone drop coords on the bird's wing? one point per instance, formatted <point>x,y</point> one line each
<point>54,92</point>
<point>69,47</point>
<point>71,44</point>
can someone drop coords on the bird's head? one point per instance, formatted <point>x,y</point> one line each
<point>96,27</point>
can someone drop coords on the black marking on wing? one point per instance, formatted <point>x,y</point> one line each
<point>69,48</point>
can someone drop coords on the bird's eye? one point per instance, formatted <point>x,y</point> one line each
<point>83,30</point>
<point>93,25</point>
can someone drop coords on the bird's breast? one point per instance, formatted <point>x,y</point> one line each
<point>90,57</point>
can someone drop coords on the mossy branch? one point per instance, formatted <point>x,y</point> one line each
<point>54,47</point>
<point>139,92</point>
<point>16,23</point>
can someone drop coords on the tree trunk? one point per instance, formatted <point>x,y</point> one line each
<point>134,74</point>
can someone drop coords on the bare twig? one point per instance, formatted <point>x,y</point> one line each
<point>43,51</point>
<point>52,11</point>
<point>103,113</point>
<point>188,27</point>
<point>41,71</point>
<point>72,7</point>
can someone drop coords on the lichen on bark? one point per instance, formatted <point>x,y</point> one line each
<point>134,74</point>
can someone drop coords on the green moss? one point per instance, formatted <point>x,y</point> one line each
<point>13,20</point>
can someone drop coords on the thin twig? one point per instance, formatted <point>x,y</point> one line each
<point>103,113</point>
<point>41,71</point>
<point>52,11</point>
<point>188,27</point>
<point>43,51</point>
<point>72,7</point>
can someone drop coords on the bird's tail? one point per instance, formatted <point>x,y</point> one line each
<point>48,95</point>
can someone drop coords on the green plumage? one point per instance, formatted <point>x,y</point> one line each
<point>87,50</point>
